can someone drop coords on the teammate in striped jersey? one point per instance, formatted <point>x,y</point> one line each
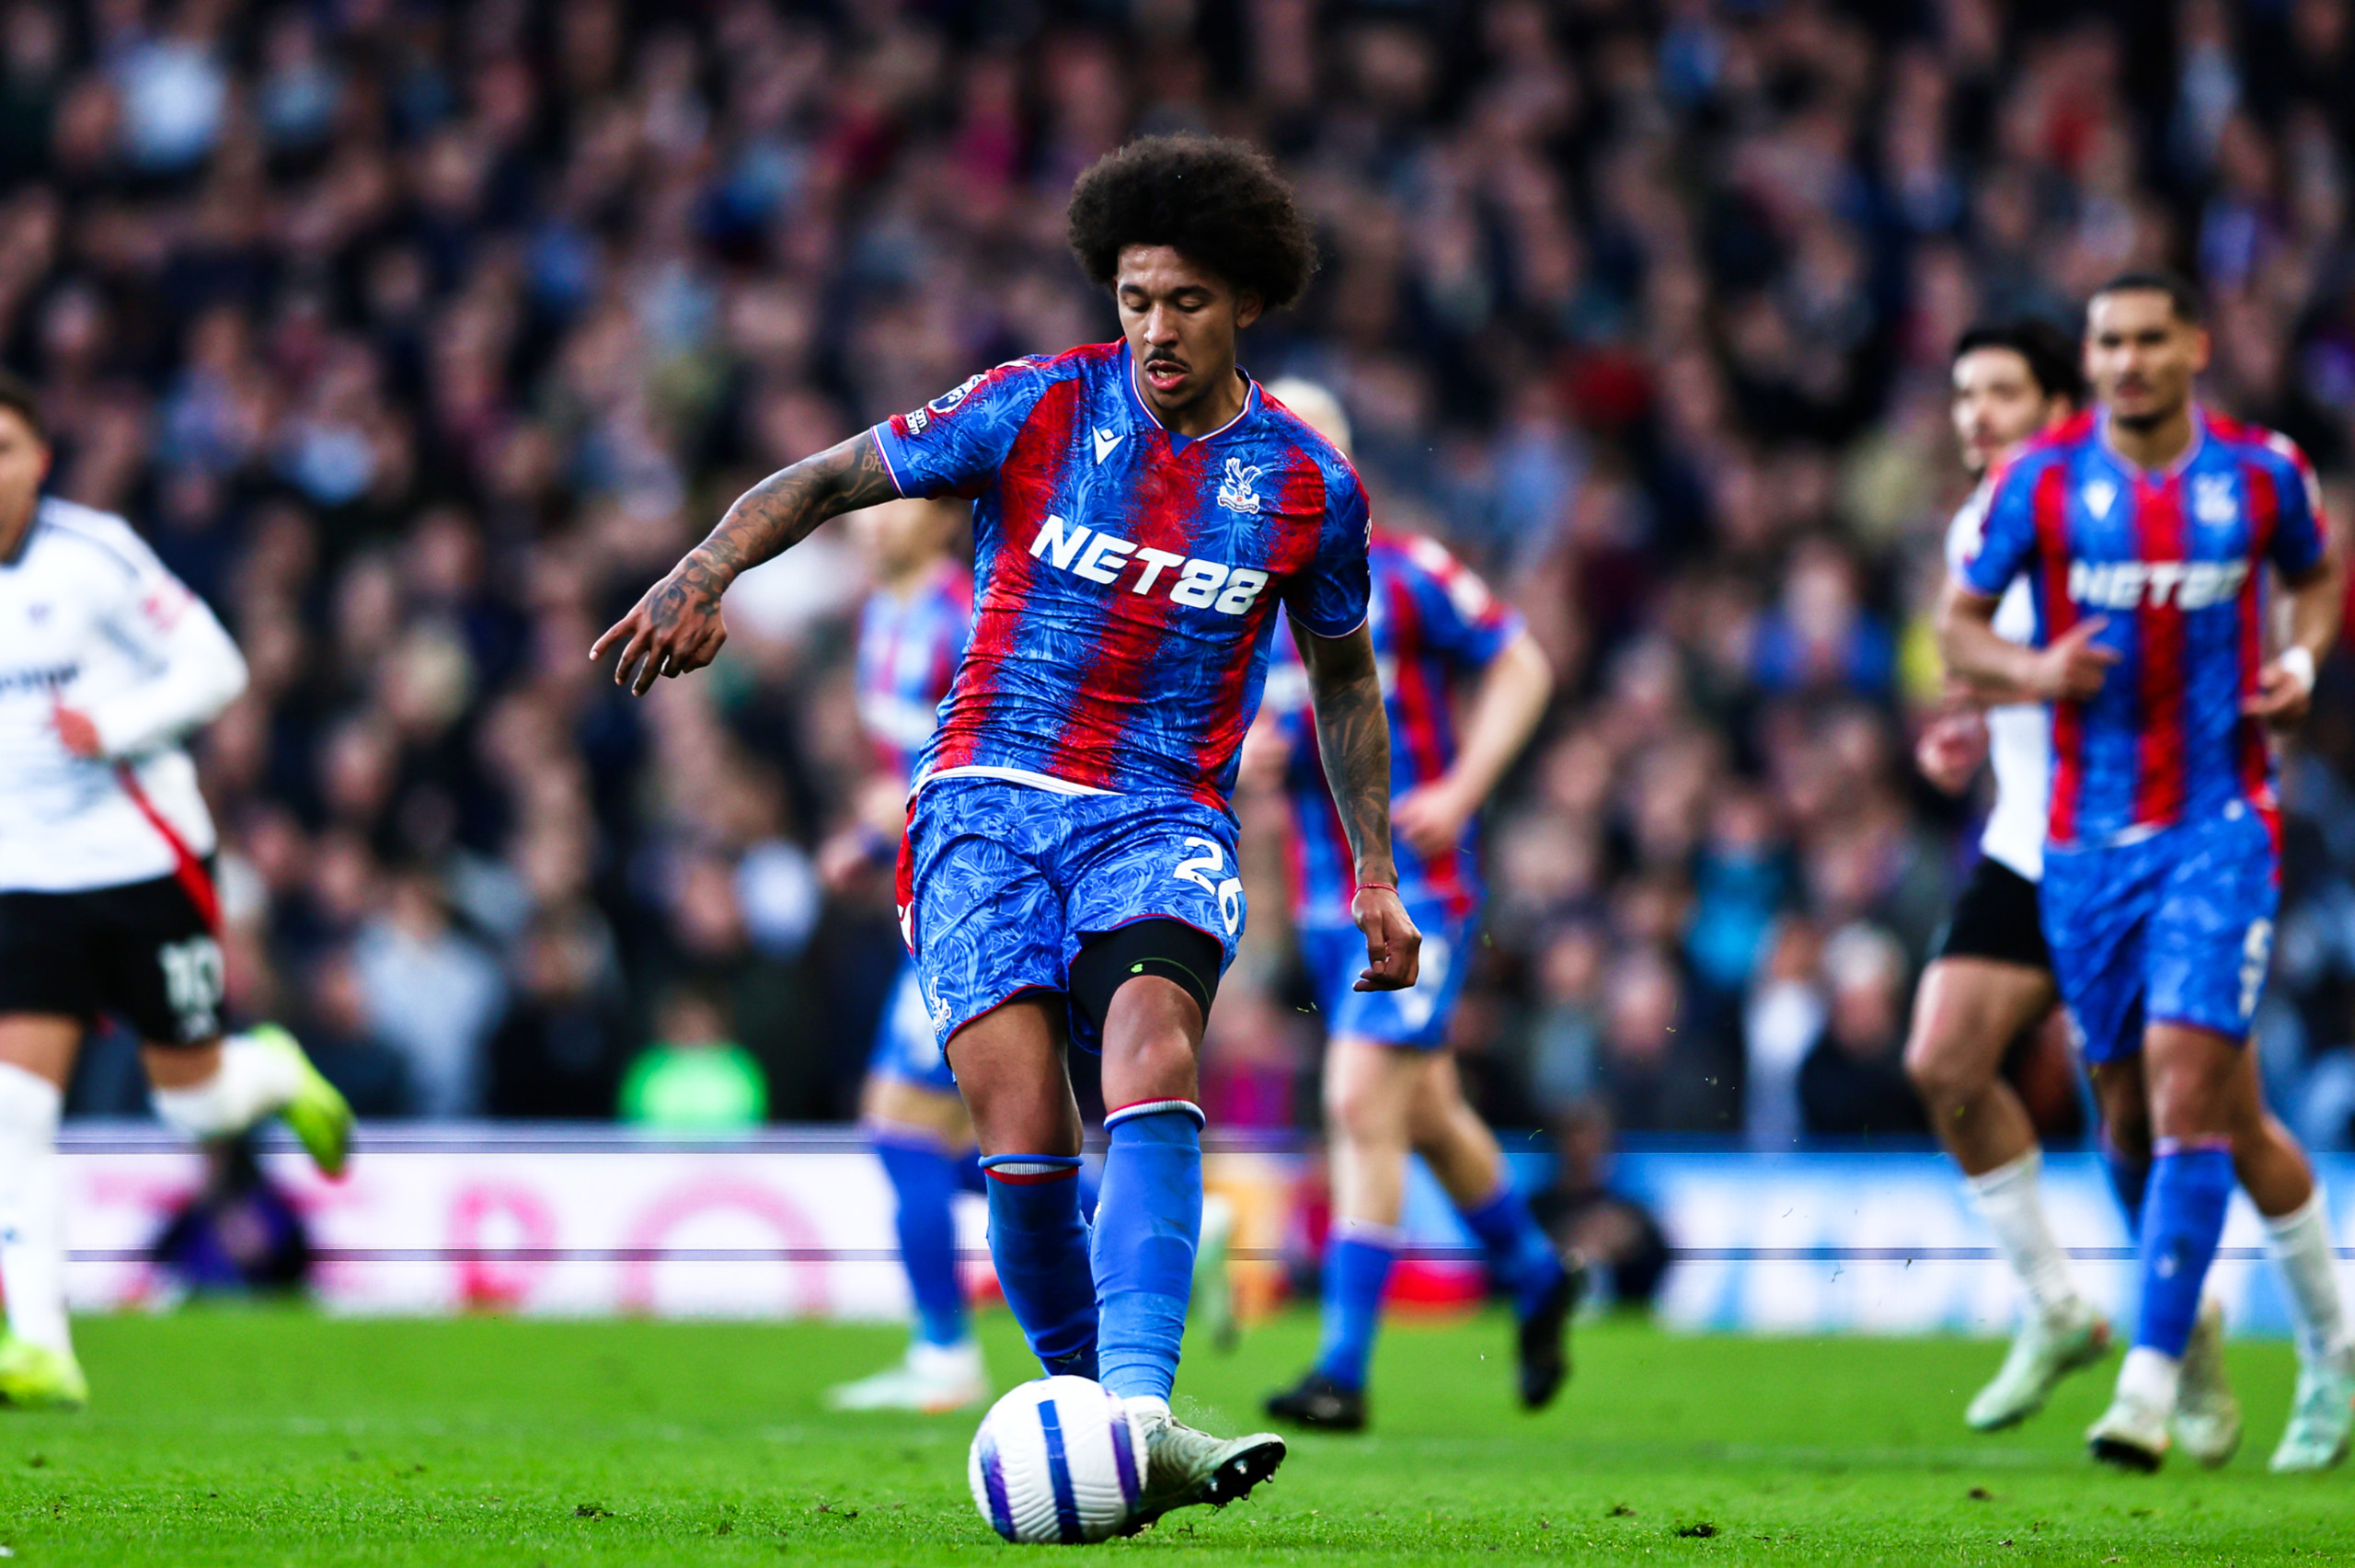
<point>1390,1081</point>
<point>911,633</point>
<point>2145,528</point>
<point>106,903</point>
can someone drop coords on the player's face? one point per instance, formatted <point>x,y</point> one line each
<point>2141,356</point>
<point>1997,404</point>
<point>1181,322</point>
<point>24,464</point>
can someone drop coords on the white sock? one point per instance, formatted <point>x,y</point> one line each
<point>2151,1377</point>
<point>32,1224</point>
<point>1152,1408</point>
<point>253,1082</point>
<point>2299,1243</point>
<point>2009,1202</point>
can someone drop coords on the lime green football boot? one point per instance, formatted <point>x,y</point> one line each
<point>35,1378</point>
<point>318,1114</point>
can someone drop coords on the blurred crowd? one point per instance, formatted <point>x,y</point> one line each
<point>420,336</point>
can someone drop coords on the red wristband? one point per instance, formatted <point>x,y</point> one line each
<point>1385,886</point>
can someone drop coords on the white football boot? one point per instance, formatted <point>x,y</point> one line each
<point>2045,1350</point>
<point>934,1378</point>
<point>2321,1416</point>
<point>2207,1414</point>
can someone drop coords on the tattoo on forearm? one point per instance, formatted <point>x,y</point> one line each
<point>1353,737</point>
<point>771,518</point>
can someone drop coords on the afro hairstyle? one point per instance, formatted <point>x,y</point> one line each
<point>1217,201</point>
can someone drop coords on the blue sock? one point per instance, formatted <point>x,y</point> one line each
<point>2189,1187</point>
<point>1148,1220</point>
<point>2129,1178</point>
<point>923,1179</point>
<point>1040,1244</point>
<point>969,1175</point>
<point>1356,1271</point>
<point>1519,1254</point>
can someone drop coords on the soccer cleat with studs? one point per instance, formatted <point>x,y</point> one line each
<point>1316,1401</point>
<point>1184,1467</point>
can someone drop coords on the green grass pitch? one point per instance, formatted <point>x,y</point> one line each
<point>261,1437</point>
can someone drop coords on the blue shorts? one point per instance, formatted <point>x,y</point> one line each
<point>2176,928</point>
<point>1417,1018</point>
<point>904,1048</point>
<point>1001,882</point>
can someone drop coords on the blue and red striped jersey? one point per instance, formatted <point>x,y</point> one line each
<point>2174,562</point>
<point>908,649</point>
<point>1125,577</point>
<point>1433,624</point>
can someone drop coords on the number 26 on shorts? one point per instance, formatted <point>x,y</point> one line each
<point>1201,868</point>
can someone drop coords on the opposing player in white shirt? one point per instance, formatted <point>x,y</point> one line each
<point>1991,980</point>
<point>106,903</point>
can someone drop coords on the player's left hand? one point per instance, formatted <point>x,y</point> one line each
<point>675,628</point>
<point>79,732</point>
<point>2285,688</point>
<point>1431,817</point>
<point>1394,948</point>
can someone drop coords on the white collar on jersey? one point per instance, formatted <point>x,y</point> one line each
<point>2182,459</point>
<point>1176,441</point>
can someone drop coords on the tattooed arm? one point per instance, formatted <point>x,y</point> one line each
<point>677,627</point>
<point>1354,737</point>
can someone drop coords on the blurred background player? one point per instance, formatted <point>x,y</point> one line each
<point>106,903</point>
<point>910,635</point>
<point>1067,871</point>
<point>2145,527</point>
<point>1989,979</point>
<point>1992,980</point>
<point>1390,1081</point>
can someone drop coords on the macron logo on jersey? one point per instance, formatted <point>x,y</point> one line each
<point>1105,440</point>
<point>1102,557</point>
<point>2127,584</point>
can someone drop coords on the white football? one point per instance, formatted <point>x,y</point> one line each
<point>1061,1459</point>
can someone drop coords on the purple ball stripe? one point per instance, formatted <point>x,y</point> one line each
<point>994,1481</point>
<point>1124,1458</point>
<point>1050,1426</point>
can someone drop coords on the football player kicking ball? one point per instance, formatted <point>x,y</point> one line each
<point>1991,979</point>
<point>2144,527</point>
<point>106,893</point>
<point>1390,1081</point>
<point>1068,867</point>
<point>911,634</point>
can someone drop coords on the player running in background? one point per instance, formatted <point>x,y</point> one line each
<point>910,635</point>
<point>1390,1081</point>
<point>2144,527</point>
<point>1991,979</point>
<point>106,904</point>
<point>1068,867</point>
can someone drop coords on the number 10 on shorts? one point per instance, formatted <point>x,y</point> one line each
<point>1201,868</point>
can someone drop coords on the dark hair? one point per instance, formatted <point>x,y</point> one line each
<point>1216,201</point>
<point>17,394</point>
<point>2051,354</point>
<point>2183,294</point>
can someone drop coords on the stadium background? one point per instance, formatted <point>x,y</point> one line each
<point>420,338</point>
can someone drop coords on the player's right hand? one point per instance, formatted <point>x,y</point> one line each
<point>1950,750</point>
<point>1394,948</point>
<point>675,628</point>
<point>2074,667</point>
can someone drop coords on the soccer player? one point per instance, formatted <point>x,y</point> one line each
<point>1991,979</point>
<point>106,903</point>
<point>1390,1081</point>
<point>1067,871</point>
<point>911,634</point>
<point>2144,527</point>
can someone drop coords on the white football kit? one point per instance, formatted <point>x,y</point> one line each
<point>90,619</point>
<point>2019,735</point>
